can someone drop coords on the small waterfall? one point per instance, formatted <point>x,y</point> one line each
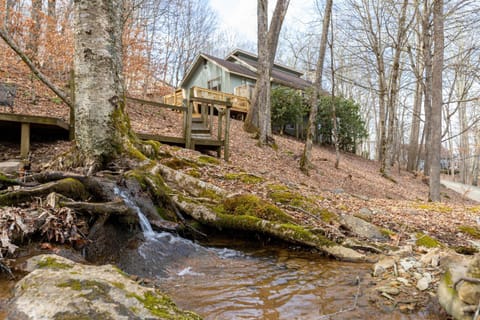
<point>161,251</point>
<point>144,223</point>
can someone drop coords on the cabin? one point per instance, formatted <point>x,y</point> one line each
<point>232,78</point>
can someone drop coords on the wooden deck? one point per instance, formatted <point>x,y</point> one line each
<point>26,122</point>
<point>198,129</point>
<point>239,104</point>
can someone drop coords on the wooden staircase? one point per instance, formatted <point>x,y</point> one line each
<point>198,128</point>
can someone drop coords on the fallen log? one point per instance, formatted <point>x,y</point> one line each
<point>288,232</point>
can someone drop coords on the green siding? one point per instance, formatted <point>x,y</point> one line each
<point>205,72</point>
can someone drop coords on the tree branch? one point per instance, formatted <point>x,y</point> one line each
<point>34,69</point>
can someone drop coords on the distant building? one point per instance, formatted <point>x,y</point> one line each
<point>237,74</point>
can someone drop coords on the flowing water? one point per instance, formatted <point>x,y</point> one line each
<point>249,280</point>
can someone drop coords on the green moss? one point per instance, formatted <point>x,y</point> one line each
<point>447,278</point>
<point>52,263</point>
<point>120,272</point>
<point>299,233</point>
<point>327,216</point>
<point>6,181</point>
<point>250,205</point>
<point>161,306</point>
<point>72,188</point>
<point>118,285</point>
<point>177,163</point>
<point>79,315</point>
<point>72,284</point>
<point>194,173</point>
<point>96,290</point>
<point>470,230</point>
<point>210,194</point>
<point>244,177</point>
<point>475,209</point>
<point>427,241</point>
<point>434,206</point>
<point>56,100</point>
<point>281,194</point>
<point>207,160</point>
<point>387,232</point>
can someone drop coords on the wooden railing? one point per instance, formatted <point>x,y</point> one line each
<point>207,112</point>
<point>238,103</point>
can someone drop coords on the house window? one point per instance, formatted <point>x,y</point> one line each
<point>215,84</point>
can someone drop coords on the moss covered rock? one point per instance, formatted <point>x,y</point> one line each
<point>58,288</point>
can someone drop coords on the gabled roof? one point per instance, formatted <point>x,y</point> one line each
<point>246,68</point>
<point>242,54</point>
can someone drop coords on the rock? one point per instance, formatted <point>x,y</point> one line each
<point>403,281</point>
<point>408,263</point>
<point>362,228</point>
<point>432,258</point>
<point>11,166</point>
<point>366,212</point>
<point>388,290</point>
<point>338,191</point>
<point>383,265</point>
<point>424,282</point>
<point>456,267</point>
<point>59,288</point>
<point>468,292</point>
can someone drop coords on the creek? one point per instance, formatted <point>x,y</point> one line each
<point>239,279</point>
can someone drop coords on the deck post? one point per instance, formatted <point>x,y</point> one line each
<point>188,128</point>
<point>25,140</point>
<point>220,124</point>
<point>226,149</point>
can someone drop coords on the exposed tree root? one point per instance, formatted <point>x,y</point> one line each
<point>69,187</point>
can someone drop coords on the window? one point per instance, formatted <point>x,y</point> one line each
<point>215,84</point>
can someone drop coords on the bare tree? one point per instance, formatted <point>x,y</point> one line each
<point>258,117</point>
<point>99,109</point>
<point>305,161</point>
<point>437,85</point>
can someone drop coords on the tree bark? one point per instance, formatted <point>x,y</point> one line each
<point>427,105</point>
<point>305,161</point>
<point>258,117</point>
<point>393,92</point>
<point>436,131</point>
<point>100,121</point>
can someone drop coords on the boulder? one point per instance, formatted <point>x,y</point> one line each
<point>362,228</point>
<point>456,268</point>
<point>58,288</point>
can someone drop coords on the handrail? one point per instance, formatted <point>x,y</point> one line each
<point>157,104</point>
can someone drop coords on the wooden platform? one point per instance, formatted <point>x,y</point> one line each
<point>26,123</point>
<point>197,129</point>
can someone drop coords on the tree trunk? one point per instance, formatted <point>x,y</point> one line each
<point>436,131</point>
<point>305,161</point>
<point>417,103</point>
<point>52,16</point>
<point>393,92</point>
<point>258,117</point>
<point>427,52</point>
<point>100,122</point>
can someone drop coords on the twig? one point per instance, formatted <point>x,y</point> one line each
<point>353,307</point>
<point>7,270</point>
<point>477,312</point>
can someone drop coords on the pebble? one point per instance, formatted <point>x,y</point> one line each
<point>388,290</point>
<point>403,281</point>
<point>424,282</point>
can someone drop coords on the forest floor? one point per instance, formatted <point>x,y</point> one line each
<point>399,206</point>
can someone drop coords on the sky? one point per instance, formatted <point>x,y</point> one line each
<point>241,15</point>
